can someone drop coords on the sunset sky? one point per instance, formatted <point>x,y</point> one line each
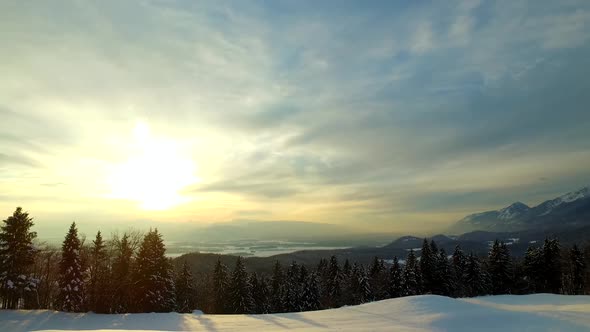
<point>380,115</point>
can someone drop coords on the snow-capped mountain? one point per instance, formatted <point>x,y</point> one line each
<point>569,210</point>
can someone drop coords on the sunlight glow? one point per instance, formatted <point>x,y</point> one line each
<point>154,173</point>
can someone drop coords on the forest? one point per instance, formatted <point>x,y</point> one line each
<point>130,273</point>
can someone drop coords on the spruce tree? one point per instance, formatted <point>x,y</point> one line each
<point>220,288</point>
<point>500,268</point>
<point>533,269</point>
<point>459,263</point>
<point>260,294</point>
<point>310,296</point>
<point>153,276</point>
<point>443,285</point>
<point>185,290</point>
<point>578,270</point>
<point>476,279</point>
<point>333,287</point>
<point>378,279</point>
<point>240,290</point>
<point>427,267</point>
<point>395,279</point>
<point>98,277</point>
<point>17,254</point>
<point>71,280</point>
<point>292,289</point>
<point>411,284</point>
<point>277,289</point>
<point>552,271</point>
<point>121,282</point>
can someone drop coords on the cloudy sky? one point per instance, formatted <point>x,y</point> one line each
<point>382,115</point>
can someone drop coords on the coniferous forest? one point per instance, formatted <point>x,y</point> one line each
<point>131,273</point>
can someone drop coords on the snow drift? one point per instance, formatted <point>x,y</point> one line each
<point>538,312</point>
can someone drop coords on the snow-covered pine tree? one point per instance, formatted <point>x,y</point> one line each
<point>459,261</point>
<point>240,290</point>
<point>17,254</point>
<point>346,269</point>
<point>98,281</point>
<point>443,285</point>
<point>277,303</point>
<point>395,279</point>
<point>260,294</point>
<point>365,293</point>
<point>185,289</point>
<point>71,281</point>
<point>578,271</point>
<point>411,283</point>
<point>310,296</point>
<point>552,266</point>
<point>500,268</point>
<point>378,279</point>
<point>352,293</point>
<point>476,279</point>
<point>220,301</point>
<point>333,287</point>
<point>121,275</point>
<point>292,289</point>
<point>427,267</point>
<point>533,269</point>
<point>153,278</point>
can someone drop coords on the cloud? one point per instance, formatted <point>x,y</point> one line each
<point>332,112</point>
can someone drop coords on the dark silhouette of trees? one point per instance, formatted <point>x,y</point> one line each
<point>17,255</point>
<point>186,295</point>
<point>71,281</point>
<point>240,290</point>
<point>127,275</point>
<point>153,282</point>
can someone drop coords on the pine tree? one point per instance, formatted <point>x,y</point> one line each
<point>578,271</point>
<point>98,277</point>
<point>240,290</point>
<point>185,290</point>
<point>411,284</point>
<point>277,289</point>
<point>260,294</point>
<point>333,287</point>
<point>71,281</point>
<point>220,288</point>
<point>500,268</point>
<point>17,254</point>
<point>533,269</point>
<point>475,277</point>
<point>310,296</point>
<point>395,279</point>
<point>428,267</point>
<point>121,276</point>
<point>459,263</point>
<point>153,276</point>
<point>552,266</point>
<point>378,279</point>
<point>292,289</point>
<point>443,285</point>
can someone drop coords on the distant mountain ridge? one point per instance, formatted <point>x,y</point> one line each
<point>568,210</point>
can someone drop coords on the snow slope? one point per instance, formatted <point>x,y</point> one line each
<point>539,312</point>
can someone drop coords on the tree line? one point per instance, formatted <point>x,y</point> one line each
<point>131,273</point>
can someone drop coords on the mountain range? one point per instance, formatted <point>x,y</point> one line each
<point>570,210</point>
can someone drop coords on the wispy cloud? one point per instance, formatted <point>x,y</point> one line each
<point>336,111</point>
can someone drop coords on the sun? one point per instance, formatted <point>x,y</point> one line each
<point>155,172</point>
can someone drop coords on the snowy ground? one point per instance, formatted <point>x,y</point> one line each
<point>539,312</point>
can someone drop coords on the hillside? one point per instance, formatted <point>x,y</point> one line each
<point>540,312</point>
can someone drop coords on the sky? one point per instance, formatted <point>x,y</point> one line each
<point>378,115</point>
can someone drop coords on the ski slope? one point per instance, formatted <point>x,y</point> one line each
<point>539,312</point>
